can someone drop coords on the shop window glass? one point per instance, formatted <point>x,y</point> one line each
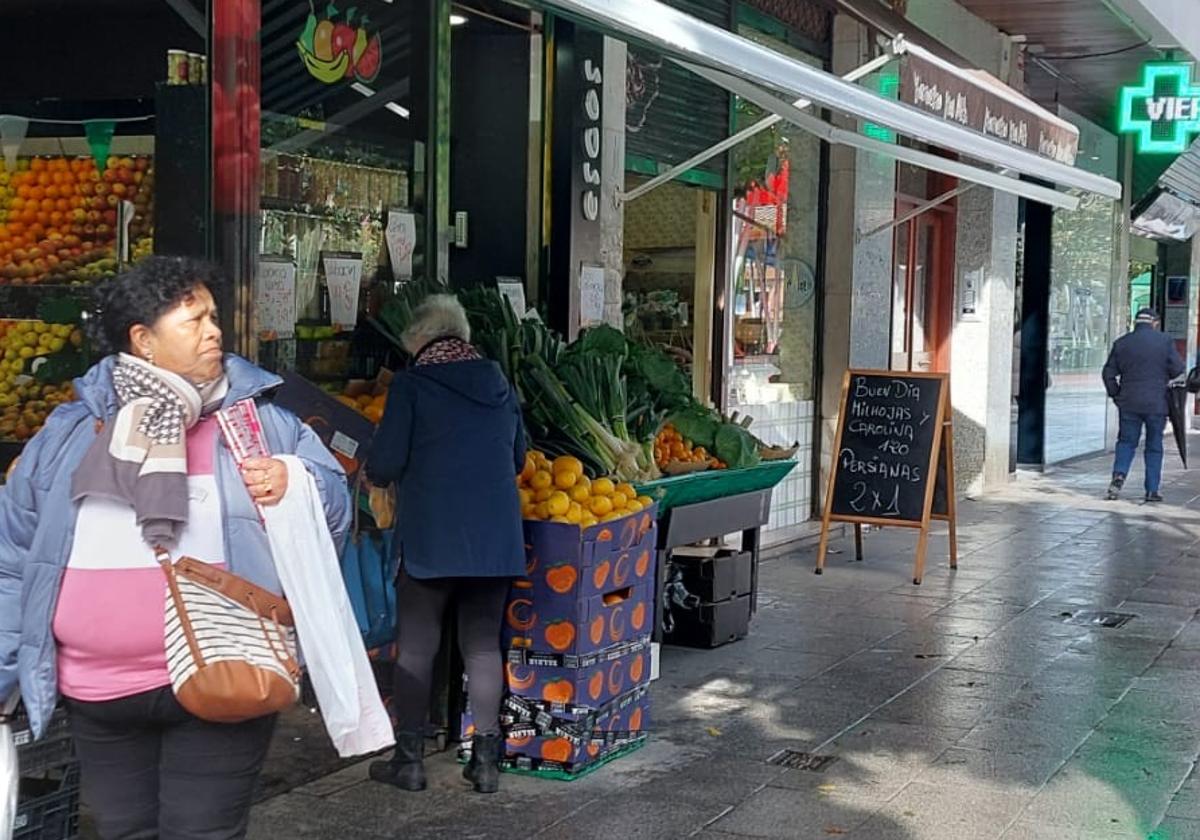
<point>775,236</point>
<point>103,119</point>
<point>1079,340</point>
<point>773,292</point>
<point>340,166</point>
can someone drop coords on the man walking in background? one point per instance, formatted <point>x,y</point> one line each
<point>1136,375</point>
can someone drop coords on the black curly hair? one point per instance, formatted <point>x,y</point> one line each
<point>144,293</point>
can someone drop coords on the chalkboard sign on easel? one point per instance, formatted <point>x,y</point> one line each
<point>893,458</point>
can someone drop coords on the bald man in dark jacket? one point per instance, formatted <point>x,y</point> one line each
<point>1136,376</point>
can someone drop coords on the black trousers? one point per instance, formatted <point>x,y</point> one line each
<point>152,770</point>
<point>420,606</point>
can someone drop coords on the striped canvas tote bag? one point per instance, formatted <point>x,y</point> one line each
<point>231,645</point>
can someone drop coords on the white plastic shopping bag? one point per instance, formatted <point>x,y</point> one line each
<point>330,641</point>
<point>9,775</point>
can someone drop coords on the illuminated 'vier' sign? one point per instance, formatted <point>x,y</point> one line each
<point>1164,111</point>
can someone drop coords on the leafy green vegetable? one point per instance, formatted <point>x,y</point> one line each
<point>736,446</point>
<point>602,339</point>
<point>668,385</point>
<point>699,425</point>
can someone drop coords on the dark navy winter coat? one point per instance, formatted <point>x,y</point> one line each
<point>1138,369</point>
<point>453,441</point>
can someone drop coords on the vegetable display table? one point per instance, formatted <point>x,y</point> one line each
<point>685,525</point>
<point>710,505</point>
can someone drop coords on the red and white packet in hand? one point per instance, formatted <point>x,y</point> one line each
<point>243,432</point>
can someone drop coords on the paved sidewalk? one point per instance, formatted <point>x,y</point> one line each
<point>964,709</point>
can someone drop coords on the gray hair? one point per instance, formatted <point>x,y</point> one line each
<point>438,316</point>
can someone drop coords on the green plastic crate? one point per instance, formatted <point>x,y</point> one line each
<point>691,489</point>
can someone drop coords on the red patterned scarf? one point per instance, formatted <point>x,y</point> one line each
<point>443,351</point>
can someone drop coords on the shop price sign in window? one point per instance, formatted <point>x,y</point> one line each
<point>1164,110</point>
<point>343,278</point>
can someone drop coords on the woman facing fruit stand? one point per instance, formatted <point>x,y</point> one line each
<point>452,439</point>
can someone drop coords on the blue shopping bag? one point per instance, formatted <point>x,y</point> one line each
<point>367,570</point>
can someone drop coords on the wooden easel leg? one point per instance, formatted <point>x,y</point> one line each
<point>822,549</point>
<point>858,544</point>
<point>953,541</point>
<point>951,494</point>
<point>922,545</point>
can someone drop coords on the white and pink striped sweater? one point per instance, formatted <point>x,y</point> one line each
<point>110,618</point>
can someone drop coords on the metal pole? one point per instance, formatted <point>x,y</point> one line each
<point>917,211</point>
<point>745,134</point>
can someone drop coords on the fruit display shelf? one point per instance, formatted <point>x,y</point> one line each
<point>694,488</point>
<point>59,216</point>
<point>53,302</point>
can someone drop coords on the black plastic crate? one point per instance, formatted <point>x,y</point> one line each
<point>711,625</point>
<point>715,575</point>
<point>48,807</point>
<point>53,750</point>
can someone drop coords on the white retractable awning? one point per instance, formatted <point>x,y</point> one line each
<point>771,80</point>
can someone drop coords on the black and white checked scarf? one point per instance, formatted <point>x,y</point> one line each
<point>140,455</point>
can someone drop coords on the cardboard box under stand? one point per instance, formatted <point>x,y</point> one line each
<point>585,590</point>
<point>564,683</point>
<point>544,736</point>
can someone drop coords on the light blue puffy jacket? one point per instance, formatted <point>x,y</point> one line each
<point>37,519</point>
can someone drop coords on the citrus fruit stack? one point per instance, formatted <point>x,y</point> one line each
<point>671,447</point>
<point>58,217</point>
<point>24,402</point>
<point>368,405</point>
<point>558,491</point>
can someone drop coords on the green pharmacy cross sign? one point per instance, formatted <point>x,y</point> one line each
<point>1164,111</point>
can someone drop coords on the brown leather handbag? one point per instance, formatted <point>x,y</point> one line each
<point>231,645</point>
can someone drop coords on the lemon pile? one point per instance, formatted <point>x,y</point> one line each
<point>24,402</point>
<point>558,491</point>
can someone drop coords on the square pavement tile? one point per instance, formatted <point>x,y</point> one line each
<point>791,814</point>
<point>1026,736</point>
<point>1001,770</point>
<point>1077,799</point>
<point>934,812</point>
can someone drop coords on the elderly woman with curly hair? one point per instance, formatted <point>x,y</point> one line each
<point>138,461</point>
<point>452,439</point>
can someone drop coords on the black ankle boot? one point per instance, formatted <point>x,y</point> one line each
<point>406,769</point>
<point>483,770</point>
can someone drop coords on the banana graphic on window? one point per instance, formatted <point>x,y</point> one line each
<point>324,71</point>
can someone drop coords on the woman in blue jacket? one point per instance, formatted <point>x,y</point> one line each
<point>136,460</point>
<point>453,440</point>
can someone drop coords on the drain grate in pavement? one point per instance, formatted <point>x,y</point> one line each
<point>1099,618</point>
<point>796,760</point>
